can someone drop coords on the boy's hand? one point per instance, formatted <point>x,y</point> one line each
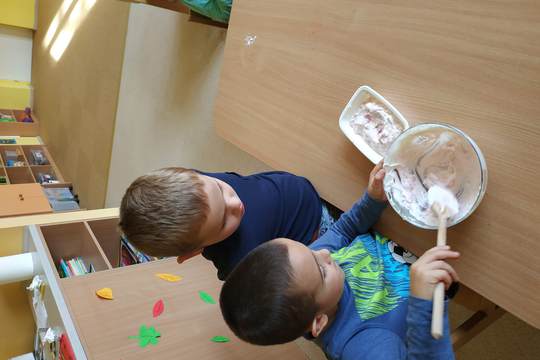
<point>375,186</point>
<point>431,269</point>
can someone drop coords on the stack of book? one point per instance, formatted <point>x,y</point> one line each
<point>62,199</point>
<point>130,255</point>
<point>74,267</point>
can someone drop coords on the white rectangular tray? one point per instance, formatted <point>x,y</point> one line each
<point>359,98</point>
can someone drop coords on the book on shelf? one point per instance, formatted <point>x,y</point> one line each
<point>74,267</point>
<point>62,199</point>
<point>129,255</point>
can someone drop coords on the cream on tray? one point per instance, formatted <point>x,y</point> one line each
<point>376,125</point>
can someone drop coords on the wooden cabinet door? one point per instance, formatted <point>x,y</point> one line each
<point>23,199</point>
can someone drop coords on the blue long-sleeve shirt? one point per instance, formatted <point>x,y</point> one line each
<point>376,317</point>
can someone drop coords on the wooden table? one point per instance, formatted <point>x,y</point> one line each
<point>475,65</point>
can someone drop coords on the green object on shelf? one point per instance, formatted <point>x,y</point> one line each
<point>3,180</point>
<point>217,10</point>
<point>7,119</point>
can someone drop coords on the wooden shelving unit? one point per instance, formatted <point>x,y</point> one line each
<point>20,165</point>
<point>186,326</point>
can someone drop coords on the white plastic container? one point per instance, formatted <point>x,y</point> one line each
<point>361,96</point>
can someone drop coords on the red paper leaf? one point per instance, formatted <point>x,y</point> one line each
<point>158,308</point>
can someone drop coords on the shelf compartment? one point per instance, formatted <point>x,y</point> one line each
<point>19,128</point>
<point>71,240</point>
<point>3,177</point>
<point>19,175</point>
<point>36,155</point>
<point>108,236</point>
<point>12,154</point>
<point>44,173</point>
<point>20,116</point>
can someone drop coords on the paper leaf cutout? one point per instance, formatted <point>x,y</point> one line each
<point>206,297</point>
<point>169,277</point>
<point>105,293</point>
<point>158,308</point>
<point>147,335</point>
<point>220,339</point>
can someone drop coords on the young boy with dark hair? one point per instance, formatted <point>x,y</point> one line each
<point>182,212</point>
<point>346,290</point>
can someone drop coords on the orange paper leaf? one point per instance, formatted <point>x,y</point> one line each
<point>158,308</point>
<point>169,277</point>
<point>105,293</point>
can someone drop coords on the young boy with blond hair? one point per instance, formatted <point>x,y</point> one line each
<point>182,212</point>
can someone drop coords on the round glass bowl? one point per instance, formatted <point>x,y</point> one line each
<point>433,154</point>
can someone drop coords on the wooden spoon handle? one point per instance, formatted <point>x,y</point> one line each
<point>438,293</point>
<point>437,311</point>
<point>441,233</point>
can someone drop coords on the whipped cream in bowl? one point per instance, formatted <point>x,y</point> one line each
<point>433,154</point>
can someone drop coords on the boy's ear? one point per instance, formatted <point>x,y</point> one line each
<point>318,324</point>
<point>189,255</point>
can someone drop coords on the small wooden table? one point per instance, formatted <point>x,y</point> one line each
<point>290,68</point>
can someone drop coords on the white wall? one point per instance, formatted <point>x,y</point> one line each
<point>169,81</point>
<point>15,53</point>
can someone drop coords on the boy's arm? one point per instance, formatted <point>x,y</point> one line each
<point>382,344</point>
<point>420,343</point>
<point>360,218</point>
<point>430,269</point>
<point>365,212</point>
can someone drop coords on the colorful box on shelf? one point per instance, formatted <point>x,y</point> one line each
<point>18,122</point>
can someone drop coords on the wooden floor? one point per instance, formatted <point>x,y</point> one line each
<point>76,97</point>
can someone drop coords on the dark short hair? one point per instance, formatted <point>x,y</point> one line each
<point>259,301</point>
<point>162,212</point>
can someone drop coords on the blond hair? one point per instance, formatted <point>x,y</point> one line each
<point>162,212</point>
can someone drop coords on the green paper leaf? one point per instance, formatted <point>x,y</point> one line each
<point>206,297</point>
<point>143,342</point>
<point>220,339</point>
<point>147,336</point>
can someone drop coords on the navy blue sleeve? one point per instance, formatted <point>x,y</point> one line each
<point>382,344</point>
<point>356,221</point>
